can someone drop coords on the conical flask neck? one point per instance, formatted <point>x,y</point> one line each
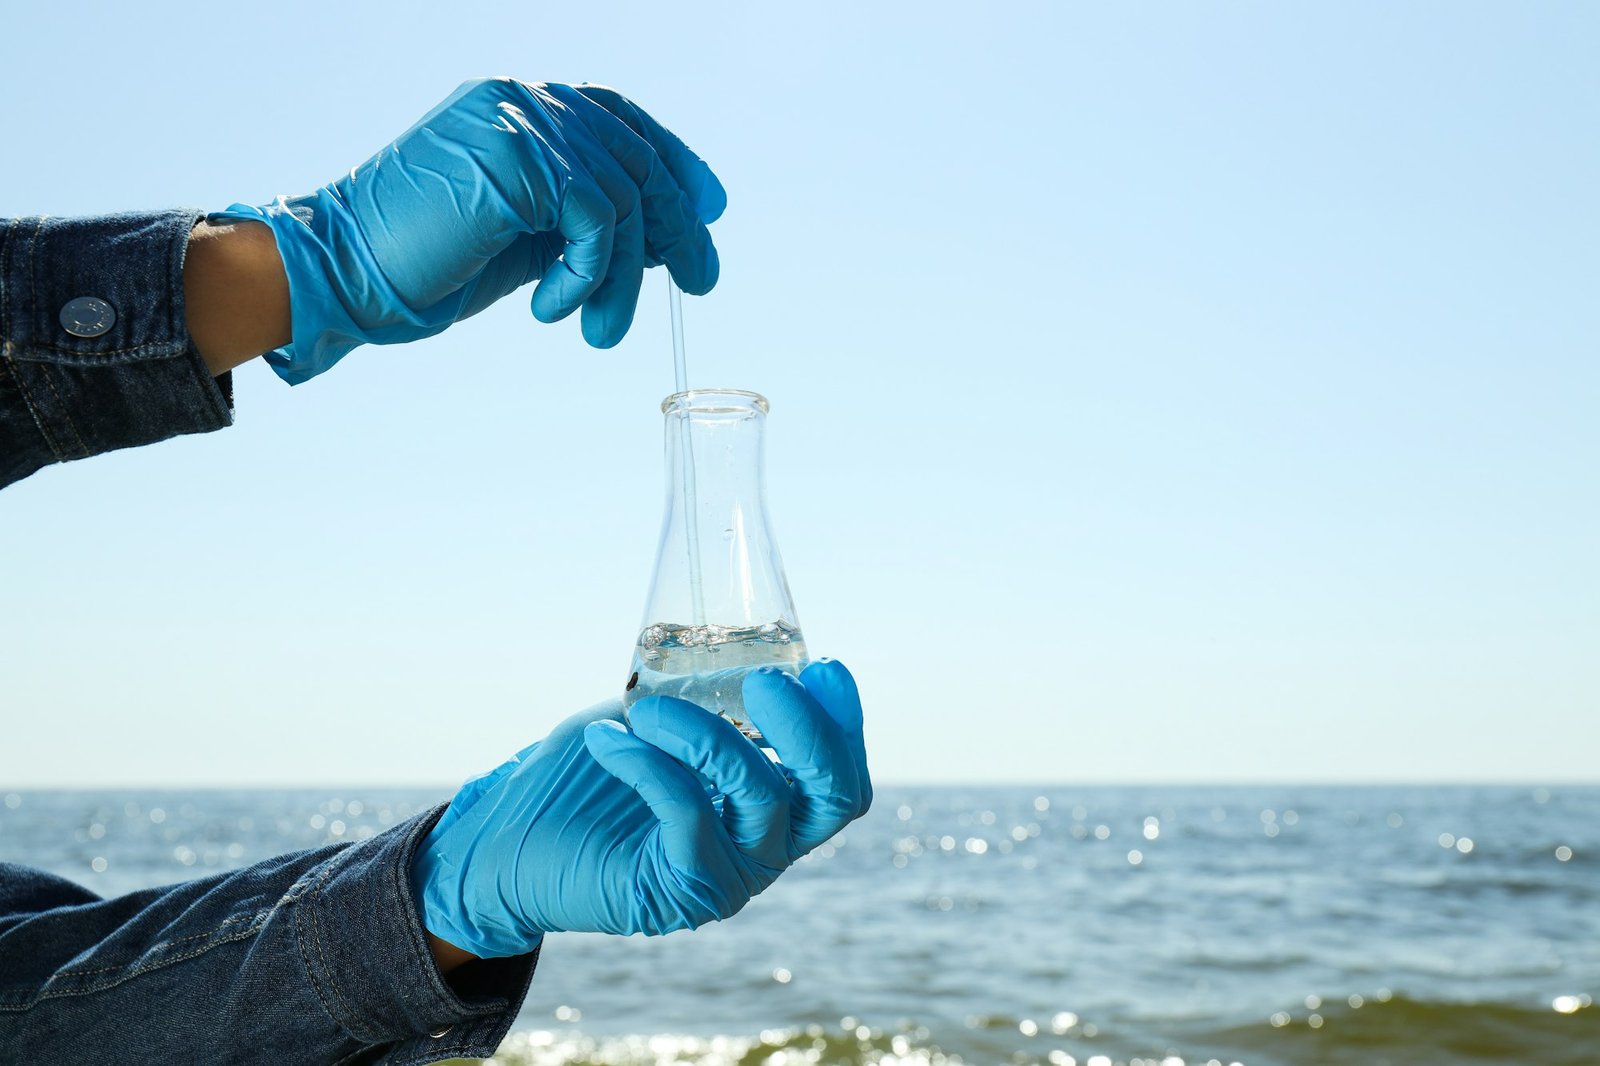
<point>715,455</point>
<point>718,562</point>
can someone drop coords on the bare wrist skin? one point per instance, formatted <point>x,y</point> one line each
<point>236,293</point>
<point>447,956</point>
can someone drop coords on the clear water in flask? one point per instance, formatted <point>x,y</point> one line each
<point>707,664</point>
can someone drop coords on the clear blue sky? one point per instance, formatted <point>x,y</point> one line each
<point>1171,392</point>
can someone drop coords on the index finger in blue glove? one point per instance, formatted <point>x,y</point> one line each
<point>812,747</point>
<point>608,313</point>
<point>586,221</point>
<point>708,874</point>
<point>755,797</point>
<point>691,172</point>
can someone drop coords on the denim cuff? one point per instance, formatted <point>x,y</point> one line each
<point>363,943</point>
<point>96,348</point>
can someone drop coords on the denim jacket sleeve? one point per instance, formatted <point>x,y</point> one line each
<point>114,369</point>
<point>313,957</point>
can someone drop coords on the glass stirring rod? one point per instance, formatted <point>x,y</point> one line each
<point>680,371</point>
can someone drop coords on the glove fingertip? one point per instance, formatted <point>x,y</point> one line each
<point>602,336</point>
<point>550,303</point>
<point>766,683</point>
<point>645,713</point>
<point>833,686</point>
<point>607,320</point>
<point>702,277</point>
<point>711,199</point>
<point>605,737</point>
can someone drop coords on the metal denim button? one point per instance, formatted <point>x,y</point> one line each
<point>441,1031</point>
<point>87,316</point>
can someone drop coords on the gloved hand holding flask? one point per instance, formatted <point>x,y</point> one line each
<point>603,828</point>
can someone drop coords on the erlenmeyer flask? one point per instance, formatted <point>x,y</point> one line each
<point>719,605</point>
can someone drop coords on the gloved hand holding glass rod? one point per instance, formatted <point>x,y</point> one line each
<point>419,943</point>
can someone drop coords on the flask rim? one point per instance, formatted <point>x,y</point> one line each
<point>715,401</point>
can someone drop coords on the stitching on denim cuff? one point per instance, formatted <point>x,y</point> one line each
<point>12,349</point>
<point>312,900</point>
<point>151,351</point>
<point>10,368</point>
<point>400,880</point>
<point>62,411</point>
<point>345,1018</point>
<point>48,374</point>
<point>209,386</point>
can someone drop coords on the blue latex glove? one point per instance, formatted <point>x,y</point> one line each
<point>501,184</point>
<point>598,828</point>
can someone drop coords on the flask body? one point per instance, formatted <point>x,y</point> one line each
<point>719,605</point>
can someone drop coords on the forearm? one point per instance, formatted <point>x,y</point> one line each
<point>314,956</point>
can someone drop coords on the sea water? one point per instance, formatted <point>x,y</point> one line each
<point>1271,925</point>
<point>707,664</point>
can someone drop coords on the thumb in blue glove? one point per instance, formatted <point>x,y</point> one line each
<point>599,828</point>
<point>501,184</point>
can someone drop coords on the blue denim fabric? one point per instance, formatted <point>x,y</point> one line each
<point>313,957</point>
<point>67,397</point>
